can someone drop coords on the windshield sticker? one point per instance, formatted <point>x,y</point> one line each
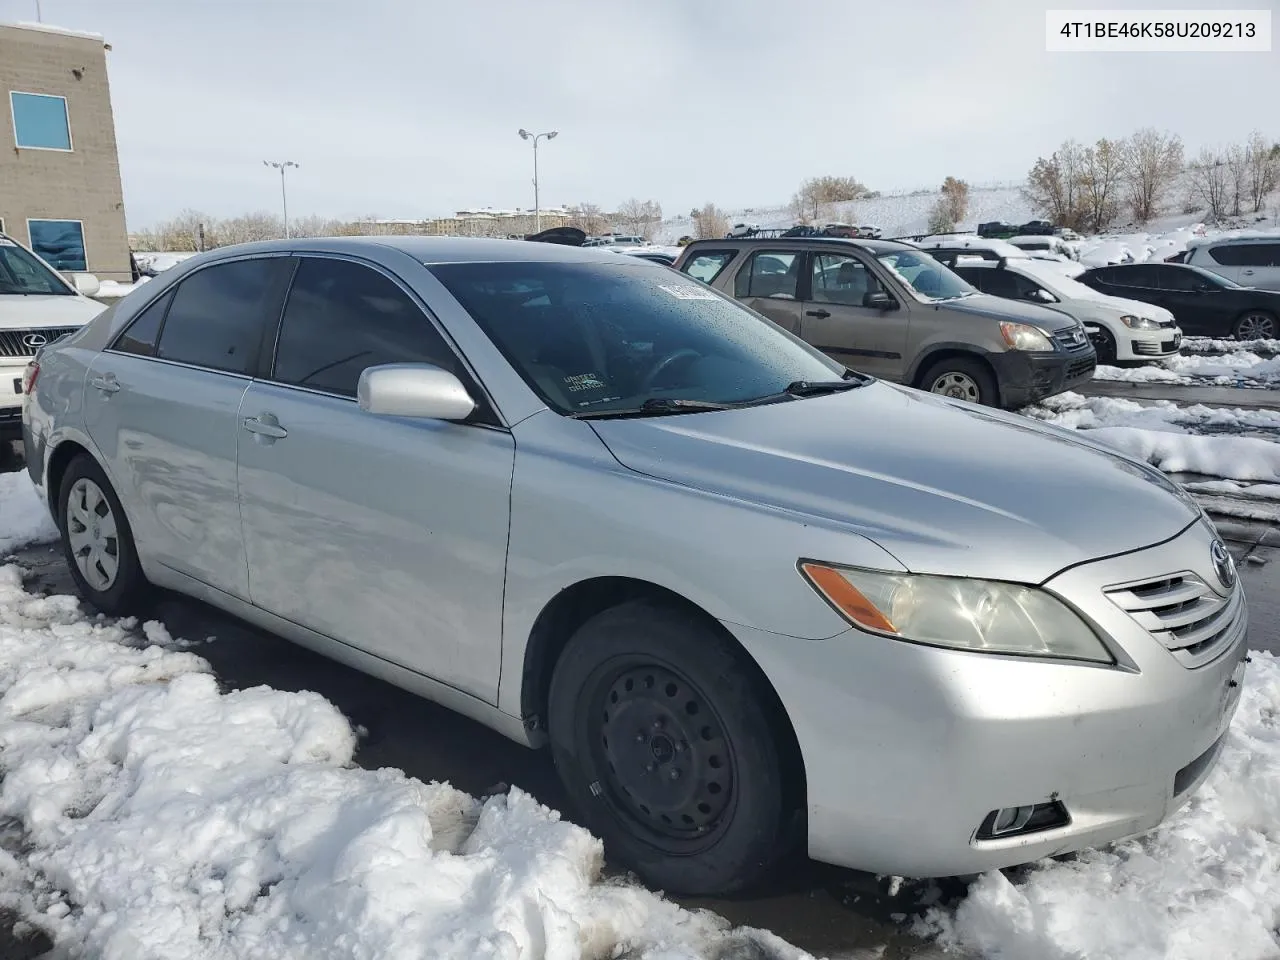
<point>6,243</point>
<point>583,381</point>
<point>684,292</point>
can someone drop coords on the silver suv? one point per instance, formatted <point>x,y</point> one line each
<point>1251,261</point>
<point>749,598</point>
<point>891,310</point>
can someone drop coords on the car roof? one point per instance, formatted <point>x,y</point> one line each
<point>866,243</point>
<point>431,250</point>
<point>1228,239</point>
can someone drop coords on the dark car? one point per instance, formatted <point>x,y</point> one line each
<point>1202,302</point>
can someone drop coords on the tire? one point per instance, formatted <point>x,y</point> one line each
<point>1105,344</point>
<point>1254,325</point>
<point>962,378</point>
<point>696,796</point>
<point>95,531</point>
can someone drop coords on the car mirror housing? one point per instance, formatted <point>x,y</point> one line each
<point>420,390</point>
<point>879,300</point>
<point>86,284</point>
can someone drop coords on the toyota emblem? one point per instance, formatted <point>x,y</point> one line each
<point>1223,565</point>
<point>34,340</point>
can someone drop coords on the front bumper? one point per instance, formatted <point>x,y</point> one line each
<point>1152,345</point>
<point>908,749</point>
<point>1027,377</point>
<point>11,370</point>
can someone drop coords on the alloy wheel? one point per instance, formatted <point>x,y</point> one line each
<point>1255,326</point>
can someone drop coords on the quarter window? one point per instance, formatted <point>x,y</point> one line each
<point>343,317</point>
<point>40,121</point>
<point>220,313</point>
<point>140,336</point>
<point>59,242</point>
<point>707,266</point>
<point>1247,255</point>
<point>769,273</point>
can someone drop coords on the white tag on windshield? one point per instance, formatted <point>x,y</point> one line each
<point>685,292</point>
<point>6,243</point>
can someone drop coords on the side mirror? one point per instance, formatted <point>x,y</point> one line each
<point>879,300</point>
<point>420,390</point>
<point>86,284</point>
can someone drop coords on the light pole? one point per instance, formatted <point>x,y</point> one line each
<point>284,197</point>
<point>535,137</point>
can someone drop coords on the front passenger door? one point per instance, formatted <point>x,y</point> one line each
<point>835,320</point>
<point>388,534</point>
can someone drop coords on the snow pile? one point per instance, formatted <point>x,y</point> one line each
<point>1161,433</point>
<point>1260,348</point>
<point>23,517</point>
<point>1230,369</point>
<point>160,261</point>
<point>113,289</point>
<point>163,818</point>
<point>1203,886</point>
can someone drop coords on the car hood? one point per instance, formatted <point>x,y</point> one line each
<point>985,305</point>
<point>946,487</point>
<point>18,312</point>
<point>1119,307</point>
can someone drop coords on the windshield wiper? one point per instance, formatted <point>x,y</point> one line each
<point>656,406</point>
<point>811,388</point>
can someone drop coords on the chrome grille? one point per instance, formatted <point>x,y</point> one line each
<point>1184,613</point>
<point>1072,339</point>
<point>14,343</point>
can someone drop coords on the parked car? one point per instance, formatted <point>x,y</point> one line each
<point>891,310</point>
<point>1204,303</point>
<point>1120,329</point>
<point>37,306</point>
<point>1043,243</point>
<point>656,256</point>
<point>1251,261</point>
<point>949,247</point>
<point>750,599</point>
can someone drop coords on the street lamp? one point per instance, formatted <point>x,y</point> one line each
<point>284,198</point>
<point>535,137</point>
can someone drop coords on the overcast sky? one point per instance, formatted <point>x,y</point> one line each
<point>410,108</point>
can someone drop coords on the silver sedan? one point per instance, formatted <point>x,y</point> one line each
<point>750,599</point>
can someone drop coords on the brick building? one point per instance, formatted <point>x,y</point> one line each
<point>59,171</point>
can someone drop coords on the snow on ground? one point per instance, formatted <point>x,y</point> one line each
<point>23,518</point>
<point>160,261</point>
<point>1240,366</point>
<point>114,290</point>
<point>1203,886</point>
<point>1259,348</point>
<point>1171,437</point>
<point>162,817</point>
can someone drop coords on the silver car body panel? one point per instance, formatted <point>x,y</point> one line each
<point>716,508</point>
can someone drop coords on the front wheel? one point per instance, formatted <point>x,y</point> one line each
<point>962,379</point>
<point>659,734</point>
<point>1105,344</point>
<point>97,539</point>
<point>1255,325</point>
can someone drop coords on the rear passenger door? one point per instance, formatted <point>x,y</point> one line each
<point>768,281</point>
<point>1260,266</point>
<point>388,534</point>
<point>836,322</point>
<point>162,402</point>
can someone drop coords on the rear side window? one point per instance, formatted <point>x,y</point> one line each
<point>707,266</point>
<point>1246,255</point>
<point>342,317</point>
<point>769,273</point>
<point>140,336</point>
<point>219,314</point>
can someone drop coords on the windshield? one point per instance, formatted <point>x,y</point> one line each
<point>927,278</point>
<point>22,273</point>
<point>590,338</point>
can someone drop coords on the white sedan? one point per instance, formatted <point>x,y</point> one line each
<point>1120,329</point>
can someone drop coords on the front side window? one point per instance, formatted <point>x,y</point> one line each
<point>769,273</point>
<point>219,314</point>
<point>59,242</point>
<point>926,277</point>
<point>40,121</point>
<point>1139,275</point>
<point>707,266</point>
<point>342,317</point>
<point>594,337</point>
<point>842,280</point>
<point>20,272</point>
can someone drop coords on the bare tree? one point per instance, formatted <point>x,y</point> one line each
<point>247,228</point>
<point>589,218</point>
<point>816,195</point>
<point>955,199</point>
<point>641,217</point>
<point>1237,163</point>
<point>1152,163</point>
<point>710,222</point>
<point>1207,180</point>
<point>1263,169</point>
<point>316,226</point>
<point>1102,176</point>
<point>1054,185</point>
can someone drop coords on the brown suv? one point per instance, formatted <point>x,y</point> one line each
<point>891,310</point>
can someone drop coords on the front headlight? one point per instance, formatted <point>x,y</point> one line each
<point>1139,323</point>
<point>985,616</point>
<point>1023,336</point>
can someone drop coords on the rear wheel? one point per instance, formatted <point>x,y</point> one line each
<point>1255,325</point>
<point>962,378</point>
<point>97,539</point>
<point>658,732</point>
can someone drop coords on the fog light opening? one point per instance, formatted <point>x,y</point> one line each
<point>1016,821</point>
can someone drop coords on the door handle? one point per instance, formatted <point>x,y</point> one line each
<point>820,314</point>
<point>107,383</point>
<point>265,426</point>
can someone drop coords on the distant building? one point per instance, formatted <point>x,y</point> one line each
<point>481,222</point>
<point>59,170</point>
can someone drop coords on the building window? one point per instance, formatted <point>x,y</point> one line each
<point>59,242</point>
<point>40,121</point>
